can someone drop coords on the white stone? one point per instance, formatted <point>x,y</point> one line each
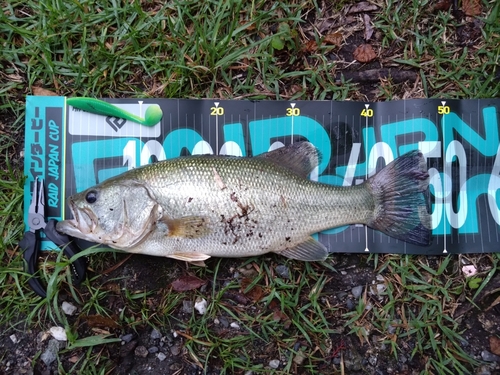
<point>201,305</point>
<point>58,333</point>
<point>68,308</point>
<point>275,363</point>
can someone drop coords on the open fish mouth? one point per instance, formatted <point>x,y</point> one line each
<point>84,221</point>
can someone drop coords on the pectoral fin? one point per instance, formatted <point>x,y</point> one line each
<point>309,250</point>
<point>187,227</point>
<point>194,258</point>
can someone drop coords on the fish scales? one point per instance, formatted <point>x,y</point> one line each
<point>251,205</point>
<point>192,208</point>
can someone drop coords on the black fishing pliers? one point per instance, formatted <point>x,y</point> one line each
<point>31,240</point>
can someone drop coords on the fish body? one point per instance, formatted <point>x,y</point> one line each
<point>195,207</point>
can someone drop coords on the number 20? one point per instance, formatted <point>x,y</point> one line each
<point>216,111</point>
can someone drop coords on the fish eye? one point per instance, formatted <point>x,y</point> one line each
<point>91,196</point>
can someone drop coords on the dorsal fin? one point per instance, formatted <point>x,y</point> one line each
<point>300,157</point>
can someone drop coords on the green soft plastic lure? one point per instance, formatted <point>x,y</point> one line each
<point>152,116</point>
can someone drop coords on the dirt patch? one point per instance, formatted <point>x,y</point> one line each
<point>148,347</point>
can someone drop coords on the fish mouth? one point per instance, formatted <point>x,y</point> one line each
<point>83,223</point>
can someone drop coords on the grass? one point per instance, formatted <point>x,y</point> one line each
<point>447,53</point>
<point>418,303</point>
<point>277,321</point>
<point>238,50</point>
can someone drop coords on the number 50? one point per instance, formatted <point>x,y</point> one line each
<point>443,109</point>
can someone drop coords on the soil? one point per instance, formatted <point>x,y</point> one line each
<point>147,350</point>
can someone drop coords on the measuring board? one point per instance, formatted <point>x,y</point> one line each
<point>73,150</point>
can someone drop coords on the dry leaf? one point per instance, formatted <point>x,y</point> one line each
<point>101,321</point>
<point>442,5</point>
<point>245,282</point>
<point>471,7</point>
<point>185,283</point>
<point>14,77</point>
<point>364,53</point>
<point>294,89</point>
<point>112,287</point>
<point>100,331</point>
<point>333,39</point>
<point>363,6</point>
<point>368,27</point>
<point>74,359</point>
<point>279,316</point>
<point>40,91</point>
<point>251,25</point>
<point>310,46</point>
<point>255,294</point>
<point>495,345</point>
<point>239,298</point>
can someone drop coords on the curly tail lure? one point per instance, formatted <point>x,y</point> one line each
<point>152,116</point>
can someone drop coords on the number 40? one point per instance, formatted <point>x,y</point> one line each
<point>367,112</point>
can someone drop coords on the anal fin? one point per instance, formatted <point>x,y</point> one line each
<point>193,258</point>
<point>309,250</point>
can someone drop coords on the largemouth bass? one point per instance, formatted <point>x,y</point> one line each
<point>191,208</point>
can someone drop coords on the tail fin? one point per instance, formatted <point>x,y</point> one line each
<point>400,200</point>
